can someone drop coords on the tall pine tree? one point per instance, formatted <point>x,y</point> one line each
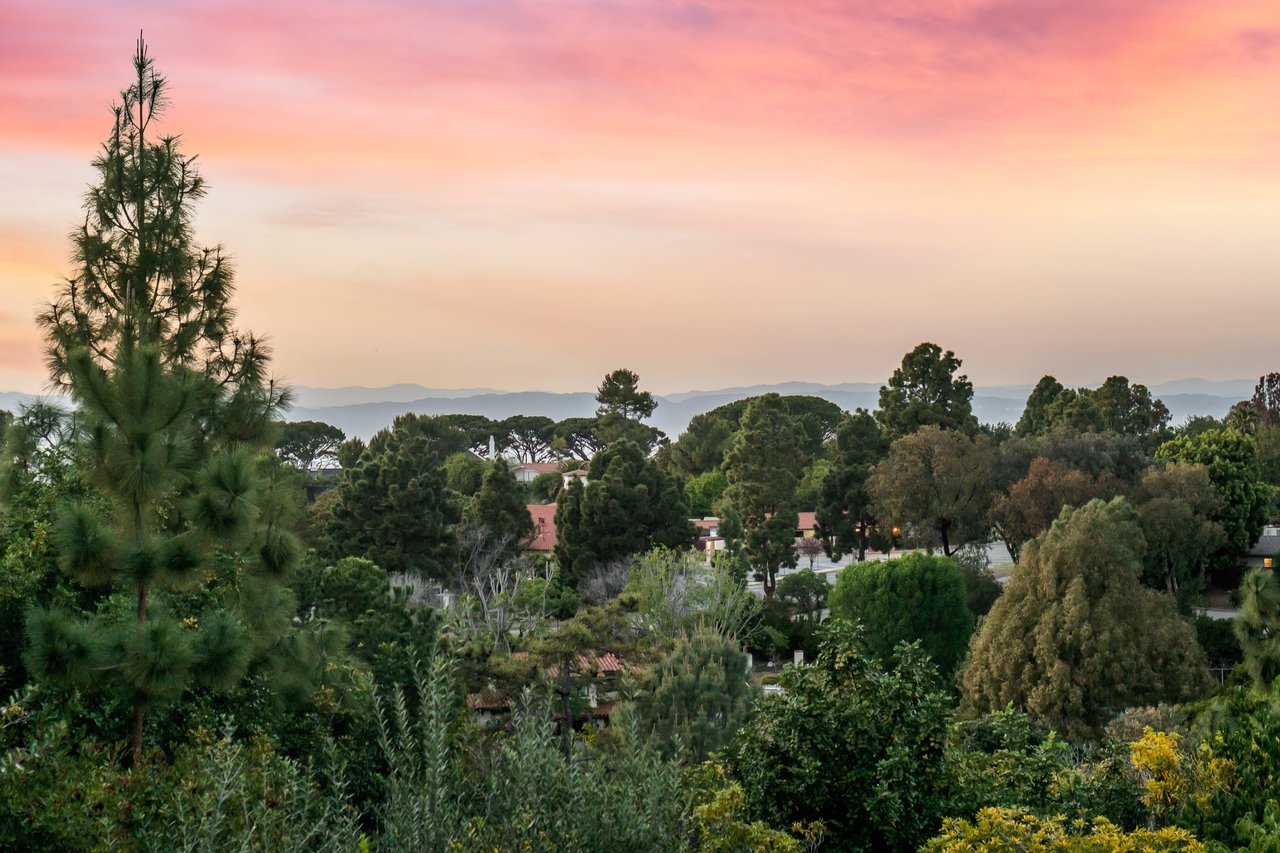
<point>177,421</point>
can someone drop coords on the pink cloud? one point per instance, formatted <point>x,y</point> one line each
<point>843,148</point>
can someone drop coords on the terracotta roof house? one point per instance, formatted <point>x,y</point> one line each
<point>544,525</point>
<point>805,524</point>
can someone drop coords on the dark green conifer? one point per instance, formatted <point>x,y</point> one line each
<point>175,423</point>
<point>698,696</point>
<point>394,506</point>
<point>844,514</point>
<point>1257,627</point>
<point>500,507</point>
<point>628,506</point>
<point>763,468</point>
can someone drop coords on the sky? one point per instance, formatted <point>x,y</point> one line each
<point>526,194</point>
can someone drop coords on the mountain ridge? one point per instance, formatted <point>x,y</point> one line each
<point>358,411</point>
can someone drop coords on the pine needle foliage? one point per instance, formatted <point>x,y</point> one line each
<point>174,426</point>
<point>697,697</point>
<point>628,506</point>
<point>1257,627</point>
<point>394,506</point>
<point>500,507</point>
<point>139,276</point>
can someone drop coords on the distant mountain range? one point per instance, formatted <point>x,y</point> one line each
<point>361,411</point>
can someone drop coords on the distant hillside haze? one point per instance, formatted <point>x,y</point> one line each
<point>304,396</point>
<point>360,411</point>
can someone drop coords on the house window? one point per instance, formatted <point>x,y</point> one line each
<point>1268,562</point>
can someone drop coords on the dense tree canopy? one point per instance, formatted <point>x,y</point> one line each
<point>394,507</point>
<point>702,446</point>
<point>575,438</point>
<point>309,444</point>
<point>925,391</point>
<point>1266,400</point>
<point>1232,462</point>
<point>1177,508</point>
<point>388,633</point>
<point>844,509</point>
<point>852,742</point>
<point>915,598</point>
<point>1129,409</point>
<point>622,408</point>
<point>499,506</point>
<point>804,593</point>
<point>1035,415</point>
<point>697,697</point>
<point>763,468</point>
<point>528,438</point>
<point>1030,505</point>
<point>464,473</point>
<point>1116,406</point>
<point>37,482</point>
<point>628,506</point>
<point>940,482</point>
<point>477,430</point>
<point>1075,638</point>
<point>619,393</point>
<point>1096,454</point>
<point>706,442</point>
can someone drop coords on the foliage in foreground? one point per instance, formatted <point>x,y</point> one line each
<point>698,696</point>
<point>216,794</point>
<point>1009,829</point>
<point>517,792</point>
<point>853,742</point>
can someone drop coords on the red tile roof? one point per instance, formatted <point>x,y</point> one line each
<point>597,666</point>
<point>540,467</point>
<point>544,522</point>
<point>806,520</point>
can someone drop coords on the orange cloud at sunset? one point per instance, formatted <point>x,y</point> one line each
<point>526,194</point>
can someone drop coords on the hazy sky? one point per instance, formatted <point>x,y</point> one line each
<point>528,194</point>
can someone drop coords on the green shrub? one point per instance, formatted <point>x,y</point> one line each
<point>854,743</point>
<point>916,597</point>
